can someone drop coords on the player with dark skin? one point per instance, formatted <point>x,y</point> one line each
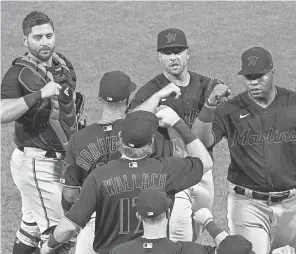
<point>260,126</point>
<point>111,190</point>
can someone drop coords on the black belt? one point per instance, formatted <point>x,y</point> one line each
<point>272,197</point>
<point>49,153</point>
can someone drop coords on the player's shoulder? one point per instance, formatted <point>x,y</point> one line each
<point>192,247</point>
<point>285,93</point>
<point>158,82</point>
<point>199,78</point>
<point>13,71</point>
<point>89,130</point>
<point>129,247</point>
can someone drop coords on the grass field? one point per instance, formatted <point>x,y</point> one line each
<point>103,36</point>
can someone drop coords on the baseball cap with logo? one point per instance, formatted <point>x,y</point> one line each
<point>235,244</point>
<point>116,86</point>
<point>152,202</point>
<point>138,128</point>
<point>171,37</point>
<point>256,61</point>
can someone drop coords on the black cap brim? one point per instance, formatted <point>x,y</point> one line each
<point>248,72</point>
<point>173,46</point>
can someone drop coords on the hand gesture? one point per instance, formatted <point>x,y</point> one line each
<point>168,90</point>
<point>284,250</point>
<point>219,94</point>
<point>203,216</point>
<point>50,89</point>
<point>167,117</point>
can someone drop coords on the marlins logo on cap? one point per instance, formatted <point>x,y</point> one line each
<point>147,245</point>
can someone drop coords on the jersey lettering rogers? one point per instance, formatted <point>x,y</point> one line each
<point>95,150</point>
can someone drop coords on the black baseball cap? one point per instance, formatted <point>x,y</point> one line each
<point>116,86</point>
<point>138,128</point>
<point>152,202</point>
<point>256,61</point>
<point>171,37</point>
<point>235,244</point>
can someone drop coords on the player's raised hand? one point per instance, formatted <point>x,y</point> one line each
<point>50,89</point>
<point>167,117</point>
<point>169,89</point>
<point>203,216</point>
<point>284,250</point>
<point>219,94</point>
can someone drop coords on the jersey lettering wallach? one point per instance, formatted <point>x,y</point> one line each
<point>124,183</point>
<point>95,150</point>
<point>272,136</point>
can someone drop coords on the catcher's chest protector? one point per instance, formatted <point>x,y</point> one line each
<point>52,119</point>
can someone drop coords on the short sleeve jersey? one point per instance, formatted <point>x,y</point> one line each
<point>261,141</point>
<point>112,190</point>
<point>188,105</point>
<point>11,88</point>
<point>97,145</point>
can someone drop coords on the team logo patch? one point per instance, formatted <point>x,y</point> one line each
<point>252,60</point>
<point>147,245</point>
<point>133,164</point>
<point>107,128</point>
<point>109,99</point>
<point>131,145</point>
<point>150,213</point>
<point>171,37</point>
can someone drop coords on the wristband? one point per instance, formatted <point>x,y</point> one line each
<point>213,229</point>
<point>207,113</point>
<point>32,98</point>
<point>208,220</point>
<point>53,243</point>
<point>186,134</point>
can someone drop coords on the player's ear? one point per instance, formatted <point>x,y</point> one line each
<point>273,71</point>
<point>138,216</point>
<point>159,56</point>
<point>25,40</point>
<point>119,134</point>
<point>188,53</point>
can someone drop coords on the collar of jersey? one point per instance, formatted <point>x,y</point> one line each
<point>131,159</point>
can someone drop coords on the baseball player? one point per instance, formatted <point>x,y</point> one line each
<point>38,93</point>
<point>153,209</point>
<point>260,126</point>
<point>97,145</point>
<point>111,190</point>
<point>174,54</point>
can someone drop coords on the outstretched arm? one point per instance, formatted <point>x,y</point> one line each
<point>152,103</point>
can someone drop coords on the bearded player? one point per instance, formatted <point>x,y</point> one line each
<point>111,190</point>
<point>97,144</point>
<point>38,94</point>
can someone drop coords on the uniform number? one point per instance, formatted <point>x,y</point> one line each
<point>126,205</point>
